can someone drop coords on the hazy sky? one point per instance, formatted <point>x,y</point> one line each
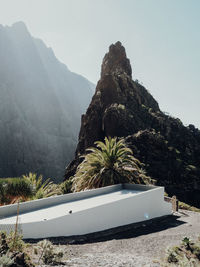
<point>161,37</point>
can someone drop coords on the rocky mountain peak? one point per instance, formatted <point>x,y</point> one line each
<point>115,61</point>
<point>116,105</point>
<point>124,108</point>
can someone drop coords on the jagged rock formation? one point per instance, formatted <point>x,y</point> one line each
<point>124,108</point>
<point>41,102</point>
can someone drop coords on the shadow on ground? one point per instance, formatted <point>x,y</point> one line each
<point>122,232</point>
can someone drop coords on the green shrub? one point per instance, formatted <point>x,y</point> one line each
<point>13,247</point>
<point>40,188</point>
<point>66,186</point>
<point>15,242</point>
<point>11,242</point>
<point>14,187</point>
<point>49,254</point>
<point>196,251</point>
<point>27,187</point>
<point>185,206</point>
<point>186,254</point>
<point>6,261</point>
<point>187,243</point>
<point>172,255</point>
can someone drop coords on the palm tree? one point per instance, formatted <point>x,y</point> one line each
<point>107,164</point>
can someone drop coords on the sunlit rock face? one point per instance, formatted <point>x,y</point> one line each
<point>122,107</point>
<point>41,102</point>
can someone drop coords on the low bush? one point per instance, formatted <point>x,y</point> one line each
<point>40,188</point>
<point>6,261</point>
<point>185,206</point>
<point>27,187</point>
<point>49,254</point>
<point>66,186</point>
<point>11,242</point>
<point>186,254</point>
<point>12,251</point>
<point>14,187</point>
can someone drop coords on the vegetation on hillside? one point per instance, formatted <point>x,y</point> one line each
<point>15,252</point>
<point>185,254</point>
<point>27,187</point>
<point>40,189</point>
<point>185,206</point>
<point>110,162</point>
<point>13,189</point>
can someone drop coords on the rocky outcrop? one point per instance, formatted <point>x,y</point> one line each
<point>41,102</point>
<point>124,108</point>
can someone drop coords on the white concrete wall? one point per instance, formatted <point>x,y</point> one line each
<point>142,206</point>
<point>10,210</point>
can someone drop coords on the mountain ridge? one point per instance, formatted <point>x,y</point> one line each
<point>41,103</point>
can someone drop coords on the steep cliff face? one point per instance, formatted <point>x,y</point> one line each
<point>124,108</point>
<point>41,102</point>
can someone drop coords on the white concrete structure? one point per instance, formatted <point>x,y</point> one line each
<point>86,212</point>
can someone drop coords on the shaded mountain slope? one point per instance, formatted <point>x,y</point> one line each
<point>40,106</point>
<point>124,108</point>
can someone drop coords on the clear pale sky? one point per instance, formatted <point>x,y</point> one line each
<point>161,37</point>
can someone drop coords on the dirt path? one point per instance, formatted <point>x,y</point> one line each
<point>141,247</point>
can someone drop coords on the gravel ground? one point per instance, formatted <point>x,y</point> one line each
<point>144,246</point>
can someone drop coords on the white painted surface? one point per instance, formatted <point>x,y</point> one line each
<point>75,206</point>
<point>95,213</point>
